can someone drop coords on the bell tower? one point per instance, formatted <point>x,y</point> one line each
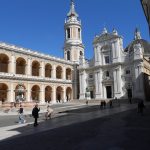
<point>73,46</point>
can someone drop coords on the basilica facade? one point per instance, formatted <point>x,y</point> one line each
<point>114,71</point>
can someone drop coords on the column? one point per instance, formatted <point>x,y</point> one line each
<point>119,80</point>
<point>64,73</point>
<point>42,69</point>
<point>42,94</point>
<point>28,93</point>
<point>115,81</point>
<point>11,97</point>
<point>12,65</point>
<point>97,85</point>
<point>82,85</point>
<point>29,67</point>
<point>54,95</point>
<point>64,94</point>
<point>54,71</point>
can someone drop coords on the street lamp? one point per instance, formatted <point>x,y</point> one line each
<point>146,8</point>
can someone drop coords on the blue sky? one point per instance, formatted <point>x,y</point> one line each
<point>39,24</point>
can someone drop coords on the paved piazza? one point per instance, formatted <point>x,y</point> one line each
<point>86,128</point>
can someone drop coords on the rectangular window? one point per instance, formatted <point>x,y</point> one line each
<point>68,33</point>
<point>79,33</point>
<point>106,59</point>
<point>127,71</point>
<point>90,76</point>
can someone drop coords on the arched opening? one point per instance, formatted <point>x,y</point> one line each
<point>68,94</point>
<point>68,55</point>
<point>4,60</point>
<point>48,94</point>
<point>59,94</point>
<point>3,92</point>
<point>68,74</point>
<point>20,66</point>
<point>35,68</point>
<point>20,93</point>
<point>48,70</point>
<point>35,93</point>
<point>59,72</point>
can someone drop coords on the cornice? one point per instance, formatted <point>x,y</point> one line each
<point>32,53</point>
<point>32,78</point>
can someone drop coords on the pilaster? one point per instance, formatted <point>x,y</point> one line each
<point>11,97</point>
<point>42,69</point>
<point>54,71</point>
<point>42,94</point>
<point>54,95</point>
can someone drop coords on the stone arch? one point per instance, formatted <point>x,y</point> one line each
<point>48,94</point>
<point>20,93</point>
<point>59,94</point>
<point>59,72</point>
<point>3,92</point>
<point>4,61</point>
<point>68,93</point>
<point>20,65</point>
<point>35,68</point>
<point>68,74</point>
<point>48,70</point>
<point>35,93</point>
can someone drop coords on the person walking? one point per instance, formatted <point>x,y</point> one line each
<point>35,114</point>
<point>48,113</point>
<point>110,104</point>
<point>21,117</point>
<point>141,106</point>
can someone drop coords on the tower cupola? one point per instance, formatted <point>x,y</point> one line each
<point>73,47</point>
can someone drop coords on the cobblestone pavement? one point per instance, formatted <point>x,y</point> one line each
<point>120,128</point>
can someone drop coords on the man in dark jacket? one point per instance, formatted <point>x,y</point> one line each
<point>35,114</point>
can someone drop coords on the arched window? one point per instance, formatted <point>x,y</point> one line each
<point>48,94</point>
<point>35,68</point>
<point>68,74</point>
<point>59,94</point>
<point>48,70</point>
<point>59,72</point>
<point>4,60</point>
<point>20,65</point>
<point>35,93</point>
<point>3,92</point>
<point>68,94</point>
<point>68,55</point>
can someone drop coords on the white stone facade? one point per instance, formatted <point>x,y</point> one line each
<point>37,73</point>
<point>114,72</point>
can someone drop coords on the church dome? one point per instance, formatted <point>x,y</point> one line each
<point>145,44</point>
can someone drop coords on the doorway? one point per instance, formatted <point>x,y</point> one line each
<point>92,94</point>
<point>109,91</point>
